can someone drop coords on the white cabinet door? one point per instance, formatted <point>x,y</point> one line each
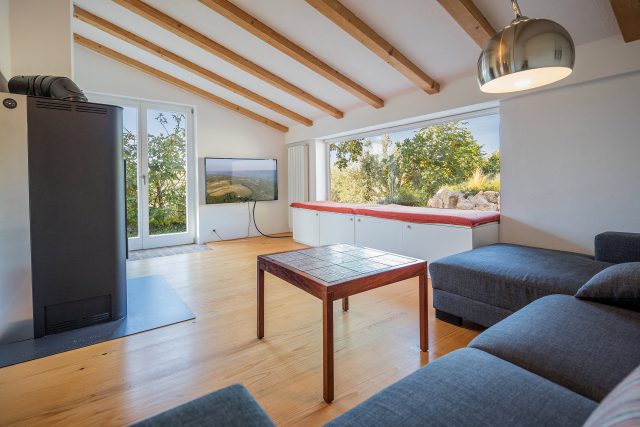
<point>433,241</point>
<point>379,233</point>
<point>486,234</point>
<point>336,228</point>
<point>306,226</point>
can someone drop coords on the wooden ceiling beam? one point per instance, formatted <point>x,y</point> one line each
<point>349,22</point>
<point>174,26</point>
<point>283,44</point>
<point>469,17</point>
<point>627,14</point>
<point>110,28</point>
<point>110,53</point>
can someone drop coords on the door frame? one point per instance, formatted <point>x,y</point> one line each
<point>144,240</point>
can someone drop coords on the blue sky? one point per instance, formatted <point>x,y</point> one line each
<point>486,130</point>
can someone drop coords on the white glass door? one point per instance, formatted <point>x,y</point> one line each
<point>160,172</point>
<point>166,175</point>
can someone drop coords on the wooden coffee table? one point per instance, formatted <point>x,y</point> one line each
<point>336,272</point>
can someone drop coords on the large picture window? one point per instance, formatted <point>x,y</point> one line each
<point>453,164</point>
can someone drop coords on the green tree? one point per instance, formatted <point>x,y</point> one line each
<point>130,152</point>
<point>348,152</point>
<point>407,172</point>
<point>168,176</point>
<point>347,185</point>
<point>436,156</point>
<point>491,165</point>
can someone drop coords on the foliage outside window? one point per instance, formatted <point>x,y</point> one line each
<point>167,179</point>
<point>411,167</point>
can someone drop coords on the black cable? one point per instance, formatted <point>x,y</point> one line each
<point>249,215</point>
<point>255,202</point>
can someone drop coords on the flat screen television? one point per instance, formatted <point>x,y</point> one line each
<point>240,180</point>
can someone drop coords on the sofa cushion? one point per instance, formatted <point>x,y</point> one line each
<point>617,285</point>
<point>511,276</point>
<point>470,388</point>
<point>584,346</point>
<point>621,407</point>
<point>232,406</point>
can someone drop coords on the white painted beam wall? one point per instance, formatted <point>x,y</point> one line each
<point>41,37</point>
<point>5,43</point>
<point>571,164</point>
<point>602,58</point>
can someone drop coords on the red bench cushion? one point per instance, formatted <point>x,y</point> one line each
<point>326,206</point>
<point>430,215</point>
<point>406,213</point>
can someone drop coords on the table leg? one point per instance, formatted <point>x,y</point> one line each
<point>345,304</point>
<point>327,348</point>
<point>424,311</point>
<point>260,303</point>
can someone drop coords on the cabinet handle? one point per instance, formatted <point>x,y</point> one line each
<point>408,226</point>
<point>359,220</point>
<point>316,214</point>
<point>350,219</point>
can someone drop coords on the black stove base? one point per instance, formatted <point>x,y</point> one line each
<point>151,302</point>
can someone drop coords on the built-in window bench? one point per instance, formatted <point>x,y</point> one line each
<point>425,233</point>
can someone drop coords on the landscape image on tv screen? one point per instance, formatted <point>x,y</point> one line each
<point>240,180</point>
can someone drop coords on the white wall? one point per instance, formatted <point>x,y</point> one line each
<point>41,37</point>
<point>570,164</point>
<point>219,133</point>
<point>5,42</point>
<point>318,170</point>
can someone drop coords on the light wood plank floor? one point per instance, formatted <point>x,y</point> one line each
<point>121,381</point>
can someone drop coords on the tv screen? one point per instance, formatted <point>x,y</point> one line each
<point>240,180</point>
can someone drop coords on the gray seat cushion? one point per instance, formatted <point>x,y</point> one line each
<point>232,406</point>
<point>511,276</point>
<point>584,346</point>
<point>470,388</point>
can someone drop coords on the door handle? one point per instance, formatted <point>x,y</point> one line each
<point>144,179</point>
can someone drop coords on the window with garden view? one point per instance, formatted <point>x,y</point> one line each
<point>167,171</point>
<point>454,165</point>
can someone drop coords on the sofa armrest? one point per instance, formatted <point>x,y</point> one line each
<point>617,247</point>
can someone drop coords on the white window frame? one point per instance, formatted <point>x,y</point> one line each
<point>144,240</point>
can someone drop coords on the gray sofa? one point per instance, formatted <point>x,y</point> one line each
<point>487,284</point>
<point>550,363</point>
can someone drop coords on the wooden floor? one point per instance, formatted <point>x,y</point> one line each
<point>121,381</point>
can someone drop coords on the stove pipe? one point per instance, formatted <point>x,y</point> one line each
<point>47,86</point>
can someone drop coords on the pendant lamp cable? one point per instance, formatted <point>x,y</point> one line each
<point>516,9</point>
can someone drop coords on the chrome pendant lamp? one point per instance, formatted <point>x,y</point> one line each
<point>528,53</point>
